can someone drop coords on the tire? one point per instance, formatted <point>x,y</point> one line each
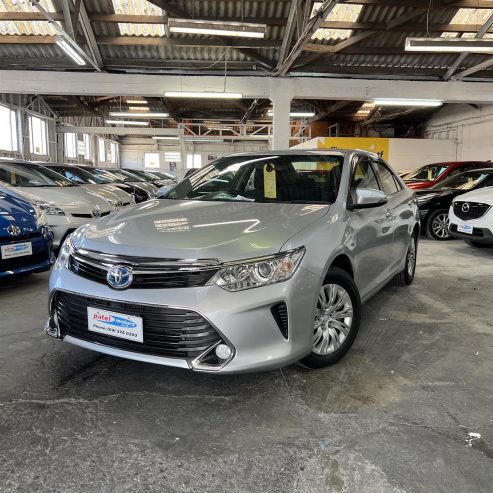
<point>436,226</point>
<point>477,244</point>
<point>406,276</point>
<point>328,348</point>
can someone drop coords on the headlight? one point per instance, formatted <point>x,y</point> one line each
<point>65,252</point>
<point>40,216</point>
<point>425,198</point>
<point>260,272</point>
<point>50,209</point>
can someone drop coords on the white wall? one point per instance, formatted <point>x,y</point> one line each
<point>408,154</point>
<point>473,129</point>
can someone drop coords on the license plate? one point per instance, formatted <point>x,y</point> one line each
<point>16,250</point>
<point>115,324</point>
<point>464,228</point>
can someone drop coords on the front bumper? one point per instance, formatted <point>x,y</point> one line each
<point>243,319</point>
<point>481,233</point>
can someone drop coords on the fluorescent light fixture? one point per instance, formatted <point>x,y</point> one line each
<point>203,94</point>
<point>139,108</point>
<point>136,101</point>
<point>217,28</point>
<point>132,114</point>
<point>70,51</point>
<point>449,45</point>
<point>407,102</point>
<point>296,114</point>
<point>127,122</point>
<point>203,139</point>
<point>165,137</point>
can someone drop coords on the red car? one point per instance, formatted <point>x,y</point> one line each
<point>431,174</point>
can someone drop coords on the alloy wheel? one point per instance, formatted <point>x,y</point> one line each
<point>411,258</point>
<point>333,320</point>
<point>440,224</point>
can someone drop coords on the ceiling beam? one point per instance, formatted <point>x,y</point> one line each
<point>408,27</point>
<point>311,26</point>
<point>331,109</point>
<point>288,32</point>
<point>471,4</point>
<point>145,41</point>
<point>472,70</point>
<point>484,29</point>
<point>88,31</point>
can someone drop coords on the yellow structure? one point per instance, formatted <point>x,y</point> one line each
<point>378,145</point>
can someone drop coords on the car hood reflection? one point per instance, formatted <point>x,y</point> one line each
<point>198,229</point>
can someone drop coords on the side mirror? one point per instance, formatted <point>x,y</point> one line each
<point>366,198</point>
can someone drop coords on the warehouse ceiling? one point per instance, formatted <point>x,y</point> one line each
<point>352,38</point>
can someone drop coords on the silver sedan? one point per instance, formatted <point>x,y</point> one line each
<point>256,261</point>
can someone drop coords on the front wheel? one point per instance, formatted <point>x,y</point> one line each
<point>337,319</point>
<point>477,244</point>
<point>436,226</point>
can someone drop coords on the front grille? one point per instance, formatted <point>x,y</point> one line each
<point>5,240</point>
<point>147,274</point>
<point>25,261</point>
<point>473,210</point>
<point>280,313</point>
<point>90,216</point>
<point>169,332</point>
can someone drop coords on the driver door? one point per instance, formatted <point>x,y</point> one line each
<point>370,232</point>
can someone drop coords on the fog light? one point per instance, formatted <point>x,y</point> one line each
<point>223,352</point>
<point>51,329</point>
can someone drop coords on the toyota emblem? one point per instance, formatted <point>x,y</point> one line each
<point>465,207</point>
<point>13,230</point>
<point>97,211</point>
<point>119,276</point>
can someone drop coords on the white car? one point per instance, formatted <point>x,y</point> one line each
<point>471,217</point>
<point>85,179</point>
<point>66,205</point>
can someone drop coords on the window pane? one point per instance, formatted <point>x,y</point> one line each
<point>71,145</point>
<point>386,179</point>
<point>38,136</point>
<point>113,152</point>
<point>151,160</point>
<point>364,177</point>
<point>8,124</point>
<point>87,145</point>
<point>102,150</point>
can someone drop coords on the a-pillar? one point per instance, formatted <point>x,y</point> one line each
<point>281,105</point>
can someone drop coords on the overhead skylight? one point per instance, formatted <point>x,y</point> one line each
<point>26,27</point>
<point>365,109</point>
<point>470,17</point>
<point>340,13</point>
<point>138,7</point>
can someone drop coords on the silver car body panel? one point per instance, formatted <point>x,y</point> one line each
<point>374,240</point>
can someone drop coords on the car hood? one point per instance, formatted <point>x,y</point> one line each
<point>199,230</point>
<point>416,185</point>
<point>15,211</point>
<point>71,198</point>
<point>482,195</point>
<point>148,187</point>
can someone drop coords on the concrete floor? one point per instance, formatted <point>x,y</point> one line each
<point>394,416</point>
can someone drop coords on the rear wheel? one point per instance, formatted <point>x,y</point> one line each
<point>436,226</point>
<point>477,244</point>
<point>406,276</point>
<point>337,319</point>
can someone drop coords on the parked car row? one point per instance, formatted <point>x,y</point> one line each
<point>440,189</point>
<point>42,203</point>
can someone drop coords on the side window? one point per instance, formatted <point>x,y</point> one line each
<point>364,176</point>
<point>386,178</point>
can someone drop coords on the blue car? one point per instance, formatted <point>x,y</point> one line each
<point>26,242</point>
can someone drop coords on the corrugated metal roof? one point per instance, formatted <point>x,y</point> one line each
<point>26,27</point>
<point>356,58</point>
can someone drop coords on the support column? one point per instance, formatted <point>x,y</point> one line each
<point>281,130</point>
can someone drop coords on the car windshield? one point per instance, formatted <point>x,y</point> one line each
<point>111,176</point>
<point>31,175</point>
<point>142,175</point>
<point>164,176</point>
<point>464,181</point>
<point>78,175</point>
<point>292,178</point>
<point>128,177</point>
<point>430,172</point>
